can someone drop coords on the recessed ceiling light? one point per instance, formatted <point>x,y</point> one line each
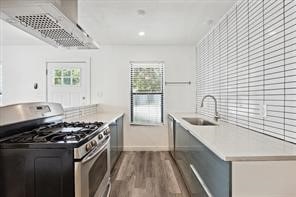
<point>141,33</point>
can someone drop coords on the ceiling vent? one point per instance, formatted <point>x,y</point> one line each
<point>53,21</point>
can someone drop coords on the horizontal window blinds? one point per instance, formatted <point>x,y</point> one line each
<point>248,62</point>
<point>146,93</point>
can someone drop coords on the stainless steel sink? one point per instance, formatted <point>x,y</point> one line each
<point>199,121</point>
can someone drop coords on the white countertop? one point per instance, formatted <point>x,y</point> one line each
<point>233,143</point>
<point>100,116</point>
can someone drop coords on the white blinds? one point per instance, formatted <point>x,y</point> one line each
<point>146,93</point>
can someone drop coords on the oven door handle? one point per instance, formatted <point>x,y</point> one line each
<point>97,151</point>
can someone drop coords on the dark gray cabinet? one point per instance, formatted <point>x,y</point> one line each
<point>32,172</point>
<point>116,141</point>
<point>113,143</point>
<point>120,133</point>
<point>171,130</point>
<point>204,172</point>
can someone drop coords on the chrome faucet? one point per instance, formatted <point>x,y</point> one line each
<point>217,116</point>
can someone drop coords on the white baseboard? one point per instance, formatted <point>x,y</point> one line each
<point>146,148</point>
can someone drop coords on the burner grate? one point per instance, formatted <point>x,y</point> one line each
<point>66,137</point>
<point>56,133</point>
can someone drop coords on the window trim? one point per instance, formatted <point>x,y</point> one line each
<point>162,121</point>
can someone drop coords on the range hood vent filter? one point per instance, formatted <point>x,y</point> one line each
<point>50,28</point>
<point>38,21</point>
<point>56,34</point>
<point>70,42</point>
<point>46,21</point>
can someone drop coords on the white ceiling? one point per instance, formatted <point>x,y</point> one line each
<point>116,22</point>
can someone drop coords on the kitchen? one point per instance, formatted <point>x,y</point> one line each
<point>140,81</point>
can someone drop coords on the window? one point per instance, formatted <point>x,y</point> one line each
<point>66,77</point>
<point>146,93</point>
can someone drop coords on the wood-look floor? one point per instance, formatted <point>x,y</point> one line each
<point>147,174</point>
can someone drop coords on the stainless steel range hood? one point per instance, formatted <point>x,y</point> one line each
<point>53,21</point>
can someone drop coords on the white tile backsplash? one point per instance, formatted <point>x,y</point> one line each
<point>77,112</point>
<point>248,61</point>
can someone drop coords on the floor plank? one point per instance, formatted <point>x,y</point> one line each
<point>147,174</point>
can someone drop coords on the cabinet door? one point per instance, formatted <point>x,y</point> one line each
<point>204,172</point>
<point>120,134</point>
<point>183,159</point>
<point>113,143</point>
<point>171,134</point>
<point>213,171</point>
<point>116,142</point>
<point>36,172</point>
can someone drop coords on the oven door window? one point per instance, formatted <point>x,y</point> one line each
<point>97,173</point>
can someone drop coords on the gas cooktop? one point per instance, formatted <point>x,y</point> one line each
<point>64,132</point>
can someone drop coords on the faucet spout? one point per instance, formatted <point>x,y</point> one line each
<point>217,116</point>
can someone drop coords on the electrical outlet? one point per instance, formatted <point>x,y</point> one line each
<point>263,110</point>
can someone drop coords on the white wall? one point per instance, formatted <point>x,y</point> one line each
<point>24,65</point>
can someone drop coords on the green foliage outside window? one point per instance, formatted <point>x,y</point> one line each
<point>147,80</point>
<point>67,77</point>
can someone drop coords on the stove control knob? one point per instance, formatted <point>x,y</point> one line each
<point>94,143</point>
<point>88,147</point>
<point>100,136</point>
<point>107,131</point>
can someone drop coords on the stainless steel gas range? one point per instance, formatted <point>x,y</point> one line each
<point>42,156</point>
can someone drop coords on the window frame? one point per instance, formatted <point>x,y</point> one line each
<point>161,64</point>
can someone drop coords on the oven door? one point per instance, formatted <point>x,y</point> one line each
<point>92,173</point>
